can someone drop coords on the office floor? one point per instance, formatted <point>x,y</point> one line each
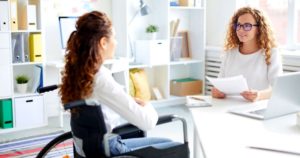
<point>170,130</point>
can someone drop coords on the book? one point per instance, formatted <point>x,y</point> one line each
<point>38,78</point>
<point>185,50</point>
<point>176,24</point>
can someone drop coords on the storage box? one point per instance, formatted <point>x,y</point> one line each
<point>186,86</point>
<point>152,52</point>
<point>29,111</point>
<point>6,114</point>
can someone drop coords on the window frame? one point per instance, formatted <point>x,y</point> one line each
<point>292,29</point>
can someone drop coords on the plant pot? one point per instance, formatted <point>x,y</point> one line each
<point>151,36</point>
<point>22,88</point>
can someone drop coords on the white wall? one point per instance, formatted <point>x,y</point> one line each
<point>55,8</point>
<point>52,9</point>
<point>218,15</point>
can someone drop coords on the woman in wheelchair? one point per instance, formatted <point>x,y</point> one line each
<point>85,77</point>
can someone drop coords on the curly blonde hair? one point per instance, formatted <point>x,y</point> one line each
<point>83,59</point>
<point>265,39</point>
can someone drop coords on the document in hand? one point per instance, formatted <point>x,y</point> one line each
<point>229,85</point>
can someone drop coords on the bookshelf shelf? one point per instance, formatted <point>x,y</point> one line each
<point>131,66</point>
<point>21,95</point>
<point>186,8</point>
<point>27,63</point>
<point>27,31</point>
<point>185,62</point>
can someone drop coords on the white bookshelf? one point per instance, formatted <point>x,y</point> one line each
<point>20,20</point>
<point>192,19</point>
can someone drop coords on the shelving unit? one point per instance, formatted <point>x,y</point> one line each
<point>131,29</point>
<point>21,53</point>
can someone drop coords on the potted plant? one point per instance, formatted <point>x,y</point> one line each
<point>22,81</point>
<point>151,30</point>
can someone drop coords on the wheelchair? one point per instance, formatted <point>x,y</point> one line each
<point>89,126</point>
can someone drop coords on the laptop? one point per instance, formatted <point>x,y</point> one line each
<point>285,100</point>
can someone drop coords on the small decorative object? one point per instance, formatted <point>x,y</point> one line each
<point>157,93</point>
<point>151,30</point>
<point>22,81</point>
<point>140,84</point>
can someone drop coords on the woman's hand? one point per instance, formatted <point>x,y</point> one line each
<point>251,95</point>
<point>140,101</point>
<point>217,94</point>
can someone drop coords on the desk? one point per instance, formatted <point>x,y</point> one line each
<point>225,135</point>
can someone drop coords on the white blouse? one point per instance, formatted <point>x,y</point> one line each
<point>253,67</point>
<point>116,103</point>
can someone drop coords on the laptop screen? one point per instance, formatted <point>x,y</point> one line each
<point>285,96</point>
<point>66,27</point>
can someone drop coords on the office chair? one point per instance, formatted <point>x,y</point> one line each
<point>88,125</point>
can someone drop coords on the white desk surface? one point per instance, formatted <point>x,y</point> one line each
<point>225,135</point>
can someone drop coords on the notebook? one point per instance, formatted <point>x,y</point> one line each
<point>284,100</point>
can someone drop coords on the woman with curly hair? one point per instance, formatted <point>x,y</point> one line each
<point>250,51</point>
<point>85,77</point>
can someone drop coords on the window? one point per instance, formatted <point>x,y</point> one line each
<point>284,16</point>
<point>277,11</point>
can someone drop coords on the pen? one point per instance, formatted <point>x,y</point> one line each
<point>198,105</point>
<point>203,104</point>
<point>196,98</point>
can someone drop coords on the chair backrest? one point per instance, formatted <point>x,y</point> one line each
<point>88,125</point>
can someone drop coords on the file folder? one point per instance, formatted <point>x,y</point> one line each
<point>6,115</point>
<point>35,47</point>
<point>13,15</point>
<point>17,44</point>
<point>31,17</point>
<point>4,26</point>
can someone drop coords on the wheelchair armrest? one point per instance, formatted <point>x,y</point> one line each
<point>171,118</point>
<point>128,131</point>
<point>47,88</point>
<point>165,119</point>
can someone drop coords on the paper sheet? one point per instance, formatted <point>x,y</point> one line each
<point>230,85</point>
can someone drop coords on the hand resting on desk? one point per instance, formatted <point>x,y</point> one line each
<point>217,94</point>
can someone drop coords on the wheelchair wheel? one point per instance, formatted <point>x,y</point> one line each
<point>61,146</point>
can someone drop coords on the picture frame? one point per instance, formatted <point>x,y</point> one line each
<point>157,93</point>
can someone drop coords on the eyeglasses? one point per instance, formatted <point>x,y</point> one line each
<point>246,26</point>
